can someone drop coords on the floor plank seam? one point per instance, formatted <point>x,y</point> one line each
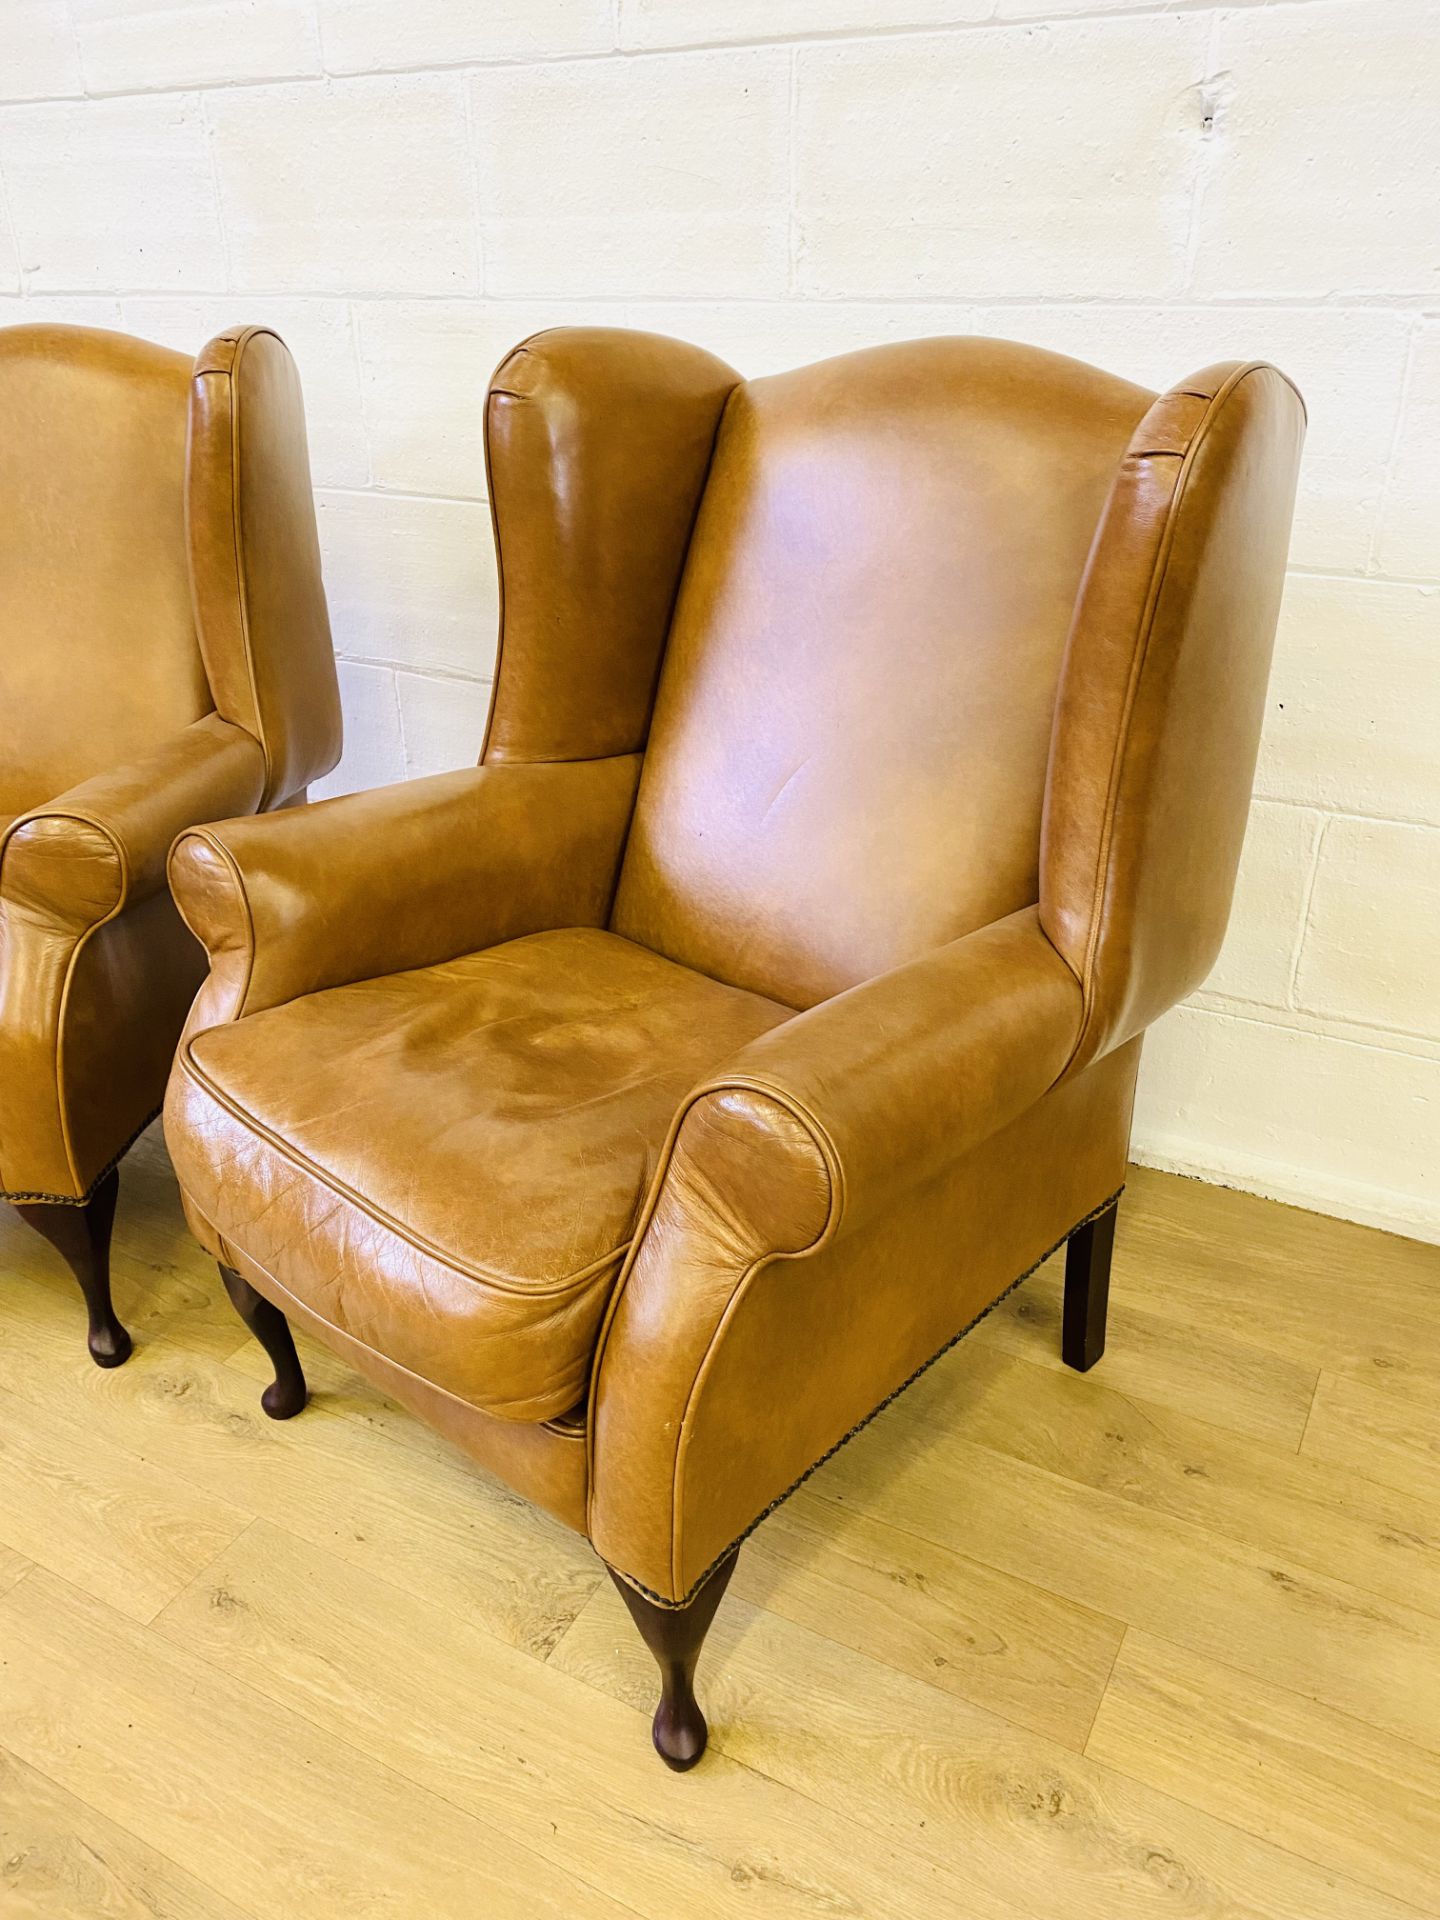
<point>1110,1675</point>
<point>200,1574</point>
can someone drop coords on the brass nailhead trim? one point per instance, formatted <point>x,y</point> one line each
<point>68,1199</point>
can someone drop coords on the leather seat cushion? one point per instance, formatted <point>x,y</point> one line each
<point>449,1164</point>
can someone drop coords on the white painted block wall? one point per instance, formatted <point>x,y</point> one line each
<point>406,187</point>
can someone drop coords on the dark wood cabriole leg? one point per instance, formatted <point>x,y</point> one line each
<point>81,1236</point>
<point>1087,1290</point>
<point>675,1636</point>
<point>287,1392</point>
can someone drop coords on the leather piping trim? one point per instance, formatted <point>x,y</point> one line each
<point>69,1199</point>
<point>237,534</point>
<point>674,1606</point>
<point>481,1276</point>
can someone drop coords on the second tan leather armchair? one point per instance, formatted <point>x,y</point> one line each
<point>868,763</point>
<point>164,659</point>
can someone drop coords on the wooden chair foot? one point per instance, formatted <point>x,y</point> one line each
<point>81,1236</point>
<point>287,1393</point>
<point>675,1636</point>
<point>1087,1290</point>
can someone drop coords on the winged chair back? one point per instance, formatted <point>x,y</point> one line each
<point>158,558</point>
<point>940,630</point>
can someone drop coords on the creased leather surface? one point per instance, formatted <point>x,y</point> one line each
<point>447,1164</point>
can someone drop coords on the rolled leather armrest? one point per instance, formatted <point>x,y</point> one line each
<point>398,877</point>
<point>802,1147</point>
<point>905,1072</point>
<point>81,859</point>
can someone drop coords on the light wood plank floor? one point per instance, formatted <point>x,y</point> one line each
<point>1160,1643</point>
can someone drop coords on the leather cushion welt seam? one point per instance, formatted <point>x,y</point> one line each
<point>481,1276</point>
<point>574,1435</point>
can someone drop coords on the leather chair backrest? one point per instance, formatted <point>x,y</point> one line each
<point>847,761</point>
<point>98,653</point>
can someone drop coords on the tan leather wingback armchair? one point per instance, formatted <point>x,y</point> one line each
<point>867,765</point>
<point>164,659</point>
